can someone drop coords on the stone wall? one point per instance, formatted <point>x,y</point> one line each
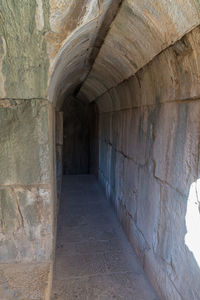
<point>149,165</point>
<point>93,139</point>
<point>59,154</point>
<point>26,199</point>
<point>140,31</point>
<point>149,134</point>
<point>33,33</point>
<point>27,184</point>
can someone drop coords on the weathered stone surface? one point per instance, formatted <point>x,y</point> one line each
<point>24,142</point>
<point>26,199</point>
<point>55,42</point>
<point>26,224</point>
<point>35,33</point>
<point>24,281</point>
<point>141,30</point>
<point>148,69</point>
<point>24,62</point>
<point>176,147</point>
<point>151,196</point>
<point>178,70</point>
<point>59,151</point>
<point>78,31</point>
<point>149,166</point>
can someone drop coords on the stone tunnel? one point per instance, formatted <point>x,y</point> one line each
<point>99,118</point>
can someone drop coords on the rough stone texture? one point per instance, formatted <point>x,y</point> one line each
<point>26,200</point>
<point>94,139</point>
<point>149,166</point>
<point>178,69</point>
<point>52,44</point>
<point>23,60</point>
<point>34,34</point>
<point>24,123</point>
<point>140,31</point>
<point>24,281</point>
<point>84,32</point>
<point>149,126</point>
<point>59,152</point>
<point>26,225</point>
<point>67,17</point>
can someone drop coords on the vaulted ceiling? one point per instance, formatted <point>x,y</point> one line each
<point>109,41</point>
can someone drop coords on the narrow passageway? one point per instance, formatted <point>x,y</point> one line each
<point>94,259</point>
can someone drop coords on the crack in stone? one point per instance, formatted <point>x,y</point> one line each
<point>24,99</point>
<point>18,207</point>
<point>175,287</point>
<point>27,186</point>
<point>175,101</point>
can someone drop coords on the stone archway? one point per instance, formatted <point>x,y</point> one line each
<point>139,62</point>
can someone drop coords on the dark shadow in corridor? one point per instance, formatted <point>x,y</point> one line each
<point>80,137</point>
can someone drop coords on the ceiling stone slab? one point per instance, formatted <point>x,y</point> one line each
<point>140,31</point>
<point>71,58</point>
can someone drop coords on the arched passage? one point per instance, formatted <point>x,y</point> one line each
<point>144,81</point>
<point>135,63</point>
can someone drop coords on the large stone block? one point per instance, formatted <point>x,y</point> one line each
<point>148,207</point>
<point>26,224</point>
<point>24,140</point>
<point>137,133</point>
<point>154,166</point>
<point>24,62</point>
<point>176,146</point>
<point>170,252</point>
<point>141,30</point>
<point>156,272</point>
<point>130,186</point>
<point>24,281</point>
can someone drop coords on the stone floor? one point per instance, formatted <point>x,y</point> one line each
<point>94,259</point>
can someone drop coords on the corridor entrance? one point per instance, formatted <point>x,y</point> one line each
<point>94,259</point>
<point>120,80</point>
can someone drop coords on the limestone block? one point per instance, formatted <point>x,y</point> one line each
<point>116,134</point>
<point>78,30</point>
<point>137,240</point>
<point>141,30</point>
<point>130,186</point>
<point>105,103</point>
<point>24,140</point>
<point>24,64</point>
<point>158,277</point>
<point>26,224</point>
<point>154,154</point>
<point>24,281</point>
<point>172,208</point>
<point>148,207</point>
<point>175,150</point>
<point>116,177</point>
<point>137,132</point>
<point>105,127</point>
<point>172,76</point>
<point>171,247</point>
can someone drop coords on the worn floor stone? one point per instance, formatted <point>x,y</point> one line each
<point>94,260</point>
